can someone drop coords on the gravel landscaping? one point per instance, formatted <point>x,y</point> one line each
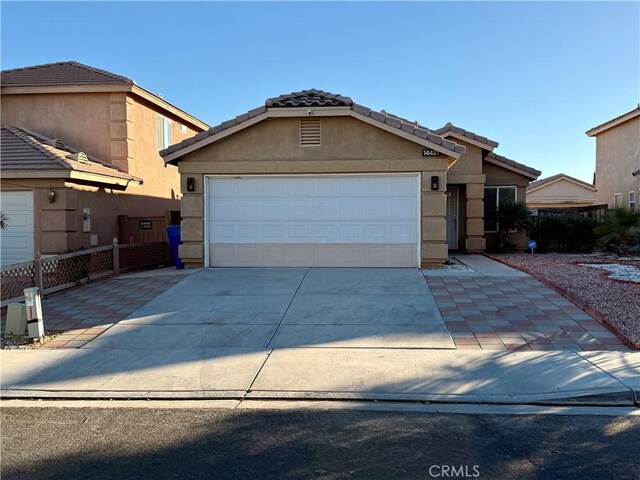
<point>606,283</point>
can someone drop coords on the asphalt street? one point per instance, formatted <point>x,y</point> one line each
<point>195,443</point>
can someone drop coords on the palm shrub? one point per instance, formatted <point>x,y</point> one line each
<point>4,221</point>
<point>581,236</point>
<point>554,231</point>
<point>618,229</point>
<point>513,217</point>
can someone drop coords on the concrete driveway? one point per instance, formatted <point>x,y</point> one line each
<point>264,308</point>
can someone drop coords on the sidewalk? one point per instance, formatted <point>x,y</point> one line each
<point>559,377</point>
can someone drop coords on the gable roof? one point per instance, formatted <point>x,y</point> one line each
<point>555,178</point>
<point>505,162</point>
<point>72,77</point>
<point>21,150</point>
<point>294,105</point>
<point>60,73</point>
<point>462,134</point>
<point>613,122</point>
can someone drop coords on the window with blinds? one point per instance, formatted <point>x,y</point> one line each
<point>309,132</point>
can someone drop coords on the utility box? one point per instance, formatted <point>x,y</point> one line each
<point>33,307</point>
<point>16,320</point>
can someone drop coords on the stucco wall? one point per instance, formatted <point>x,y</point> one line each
<point>617,157</point>
<point>80,120</point>
<point>560,194</point>
<point>348,146</point>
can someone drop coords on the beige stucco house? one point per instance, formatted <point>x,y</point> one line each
<point>618,160</point>
<point>560,191</point>
<point>313,179</point>
<point>80,148</point>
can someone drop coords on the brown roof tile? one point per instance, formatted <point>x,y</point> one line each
<point>449,127</point>
<point>553,178</point>
<point>61,73</point>
<point>528,171</point>
<point>309,98</point>
<point>24,150</point>
<point>319,98</point>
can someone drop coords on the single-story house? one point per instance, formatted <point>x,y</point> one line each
<point>314,179</point>
<point>560,191</point>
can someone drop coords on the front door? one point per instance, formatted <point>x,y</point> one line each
<point>452,217</point>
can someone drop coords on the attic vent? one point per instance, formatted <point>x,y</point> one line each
<point>309,132</point>
<point>79,157</point>
<point>57,143</point>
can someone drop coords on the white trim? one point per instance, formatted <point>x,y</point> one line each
<point>205,193</point>
<point>619,195</point>
<point>419,219</point>
<point>207,177</point>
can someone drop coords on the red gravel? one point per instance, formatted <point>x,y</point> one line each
<point>618,302</point>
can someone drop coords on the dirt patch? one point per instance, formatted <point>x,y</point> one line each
<point>616,301</point>
<point>23,342</point>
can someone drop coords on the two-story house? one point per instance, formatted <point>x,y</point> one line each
<point>79,149</point>
<point>618,160</point>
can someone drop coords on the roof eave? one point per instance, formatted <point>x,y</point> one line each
<point>525,173</point>
<point>613,123</point>
<point>581,184</point>
<point>289,112</point>
<point>469,140</point>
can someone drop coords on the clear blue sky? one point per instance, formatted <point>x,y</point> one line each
<point>533,76</point>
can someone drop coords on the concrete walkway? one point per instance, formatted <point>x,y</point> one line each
<point>605,378</point>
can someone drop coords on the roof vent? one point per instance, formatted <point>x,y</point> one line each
<point>79,157</point>
<point>57,143</point>
<point>309,132</point>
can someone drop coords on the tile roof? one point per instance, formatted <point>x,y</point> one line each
<point>309,98</point>
<point>319,98</point>
<point>24,150</point>
<point>528,171</point>
<point>553,178</point>
<point>449,127</point>
<point>614,121</point>
<point>60,73</point>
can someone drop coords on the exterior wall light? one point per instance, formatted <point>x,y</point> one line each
<point>51,195</point>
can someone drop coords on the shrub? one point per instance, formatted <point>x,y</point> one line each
<point>619,229</point>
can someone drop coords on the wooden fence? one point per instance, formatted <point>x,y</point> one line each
<point>59,272</point>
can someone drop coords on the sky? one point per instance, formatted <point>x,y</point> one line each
<point>532,76</point>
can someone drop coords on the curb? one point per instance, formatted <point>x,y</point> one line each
<point>577,302</point>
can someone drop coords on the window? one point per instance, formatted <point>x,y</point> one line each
<point>182,127</point>
<point>493,197</point>
<point>617,200</point>
<point>632,200</point>
<point>163,132</point>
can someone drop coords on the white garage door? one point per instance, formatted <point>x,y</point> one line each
<point>314,221</point>
<point>16,241</point>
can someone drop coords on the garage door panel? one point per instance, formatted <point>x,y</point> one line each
<point>356,220</point>
<point>17,241</point>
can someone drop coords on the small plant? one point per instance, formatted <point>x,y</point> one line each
<point>619,229</point>
<point>4,221</point>
<point>513,217</point>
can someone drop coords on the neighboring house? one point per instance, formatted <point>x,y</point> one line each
<point>54,199</point>
<point>560,191</point>
<point>313,179</point>
<point>618,160</point>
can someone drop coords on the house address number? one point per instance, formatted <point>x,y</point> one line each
<point>429,152</point>
<point>145,225</point>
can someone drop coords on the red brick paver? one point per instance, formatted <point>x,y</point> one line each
<point>85,312</point>
<point>494,313</point>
